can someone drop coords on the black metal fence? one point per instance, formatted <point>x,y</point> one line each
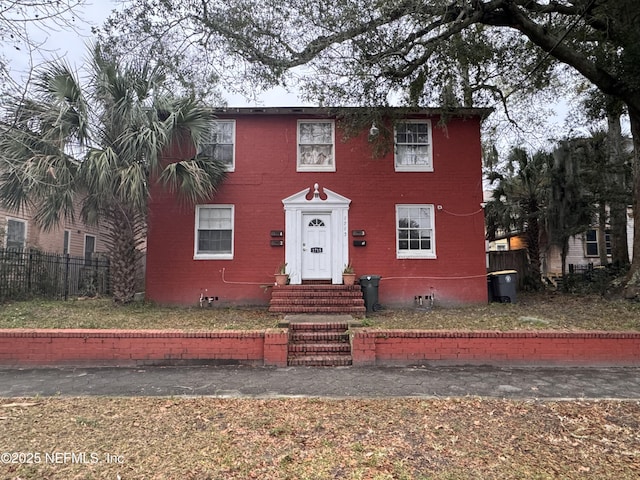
<point>29,273</point>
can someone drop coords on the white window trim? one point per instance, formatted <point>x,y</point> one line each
<point>214,256</point>
<point>316,168</point>
<point>232,167</point>
<point>597,243</point>
<point>416,254</point>
<point>414,168</point>
<point>26,230</point>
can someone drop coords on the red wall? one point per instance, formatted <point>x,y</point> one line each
<point>26,347</point>
<point>406,347</point>
<point>265,173</point>
<point>19,347</point>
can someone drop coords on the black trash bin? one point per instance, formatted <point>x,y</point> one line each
<point>503,285</point>
<point>369,285</point>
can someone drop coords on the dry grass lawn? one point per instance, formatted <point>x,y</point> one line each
<point>532,311</point>
<point>207,438</point>
<point>297,439</point>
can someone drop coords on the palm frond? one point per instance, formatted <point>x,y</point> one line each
<point>193,180</point>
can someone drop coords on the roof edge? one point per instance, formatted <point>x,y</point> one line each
<point>481,112</point>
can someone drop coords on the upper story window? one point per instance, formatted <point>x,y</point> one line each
<point>415,231</point>
<point>316,146</point>
<point>16,236</point>
<point>221,143</point>
<point>214,232</point>
<point>413,148</point>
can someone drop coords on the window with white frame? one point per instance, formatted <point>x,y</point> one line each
<point>415,231</point>
<point>591,243</point>
<point>412,146</point>
<point>16,236</point>
<point>214,232</point>
<point>221,143</point>
<point>316,146</point>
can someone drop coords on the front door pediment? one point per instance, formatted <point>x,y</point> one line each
<point>301,198</point>
<point>301,209</point>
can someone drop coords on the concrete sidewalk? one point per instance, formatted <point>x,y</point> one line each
<point>544,383</point>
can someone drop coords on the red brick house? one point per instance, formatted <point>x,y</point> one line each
<point>298,192</point>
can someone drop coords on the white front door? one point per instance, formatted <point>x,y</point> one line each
<point>316,246</point>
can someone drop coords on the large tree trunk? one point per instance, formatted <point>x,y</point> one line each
<point>632,281</point>
<point>618,198</point>
<point>533,247</point>
<point>602,233</point>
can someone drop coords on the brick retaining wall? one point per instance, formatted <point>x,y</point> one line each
<point>27,347</point>
<point>136,347</point>
<point>402,347</point>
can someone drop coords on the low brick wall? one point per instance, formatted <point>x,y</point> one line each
<point>22,347</point>
<point>403,347</point>
<point>26,347</point>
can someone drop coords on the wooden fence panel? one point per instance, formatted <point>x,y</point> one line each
<point>510,260</point>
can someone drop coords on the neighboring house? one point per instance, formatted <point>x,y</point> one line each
<point>584,250</point>
<point>77,239</point>
<point>298,192</point>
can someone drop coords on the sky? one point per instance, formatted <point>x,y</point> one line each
<point>71,45</point>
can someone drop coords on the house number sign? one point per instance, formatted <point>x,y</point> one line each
<point>316,249</point>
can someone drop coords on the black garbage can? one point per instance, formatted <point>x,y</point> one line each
<point>503,285</point>
<point>490,288</point>
<point>369,285</point>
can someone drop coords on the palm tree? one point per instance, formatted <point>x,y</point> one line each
<point>102,143</point>
<point>520,201</point>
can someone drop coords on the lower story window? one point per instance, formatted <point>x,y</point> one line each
<point>16,234</point>
<point>415,231</point>
<point>591,243</point>
<point>89,248</point>
<point>214,232</point>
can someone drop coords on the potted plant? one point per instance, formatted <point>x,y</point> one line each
<point>348,275</point>
<point>282,277</point>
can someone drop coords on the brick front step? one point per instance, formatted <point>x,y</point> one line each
<point>319,326</point>
<point>312,294</point>
<point>316,288</point>
<point>321,344</point>
<point>334,299</point>
<point>317,309</point>
<point>321,361</point>
<point>319,348</point>
<point>319,302</point>
<point>318,337</point>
